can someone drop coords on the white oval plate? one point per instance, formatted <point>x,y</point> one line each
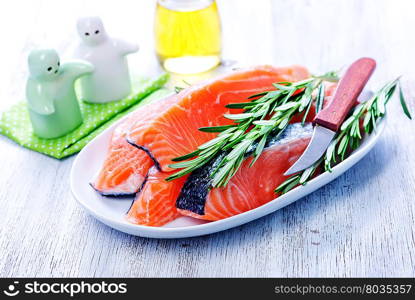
<point>111,211</point>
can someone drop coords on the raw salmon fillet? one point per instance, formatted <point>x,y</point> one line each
<point>250,187</point>
<point>125,166</point>
<point>155,203</point>
<point>174,131</point>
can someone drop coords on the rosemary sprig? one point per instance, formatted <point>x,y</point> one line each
<point>349,137</point>
<point>266,112</point>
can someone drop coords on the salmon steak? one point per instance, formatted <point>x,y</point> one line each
<point>155,204</point>
<point>193,196</point>
<point>174,131</point>
<point>125,167</point>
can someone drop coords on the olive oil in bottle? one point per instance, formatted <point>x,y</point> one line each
<point>188,35</point>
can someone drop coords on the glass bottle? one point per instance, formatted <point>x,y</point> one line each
<point>188,35</point>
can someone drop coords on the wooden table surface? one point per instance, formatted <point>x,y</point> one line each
<point>361,224</point>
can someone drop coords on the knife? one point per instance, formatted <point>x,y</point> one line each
<point>328,121</point>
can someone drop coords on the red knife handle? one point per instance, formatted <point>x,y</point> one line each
<point>349,88</point>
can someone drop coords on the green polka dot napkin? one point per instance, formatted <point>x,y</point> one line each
<point>16,125</point>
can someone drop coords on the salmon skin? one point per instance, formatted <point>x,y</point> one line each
<point>250,187</point>
<point>175,131</point>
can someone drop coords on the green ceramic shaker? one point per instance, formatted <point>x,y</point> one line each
<point>52,102</point>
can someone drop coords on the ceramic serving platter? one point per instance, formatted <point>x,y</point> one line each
<point>111,210</point>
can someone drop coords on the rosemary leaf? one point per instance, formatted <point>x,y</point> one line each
<point>239,149</point>
<point>331,150</point>
<point>286,106</point>
<point>346,123</point>
<point>366,121</point>
<point>306,112</point>
<point>284,123</point>
<point>282,87</point>
<point>264,123</point>
<point>214,141</point>
<point>216,128</point>
<point>343,144</point>
<point>291,185</point>
<point>305,101</point>
<point>286,183</point>
<point>187,163</point>
<point>381,104</point>
<point>182,172</point>
<point>403,103</point>
<point>306,174</point>
<point>320,98</point>
<point>356,131</point>
<point>258,150</point>
<point>257,95</point>
<point>221,175</point>
<point>241,105</point>
<point>236,117</point>
<point>187,156</point>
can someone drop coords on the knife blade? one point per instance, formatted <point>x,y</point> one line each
<point>328,120</point>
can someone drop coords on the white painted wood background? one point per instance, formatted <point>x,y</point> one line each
<point>362,224</point>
